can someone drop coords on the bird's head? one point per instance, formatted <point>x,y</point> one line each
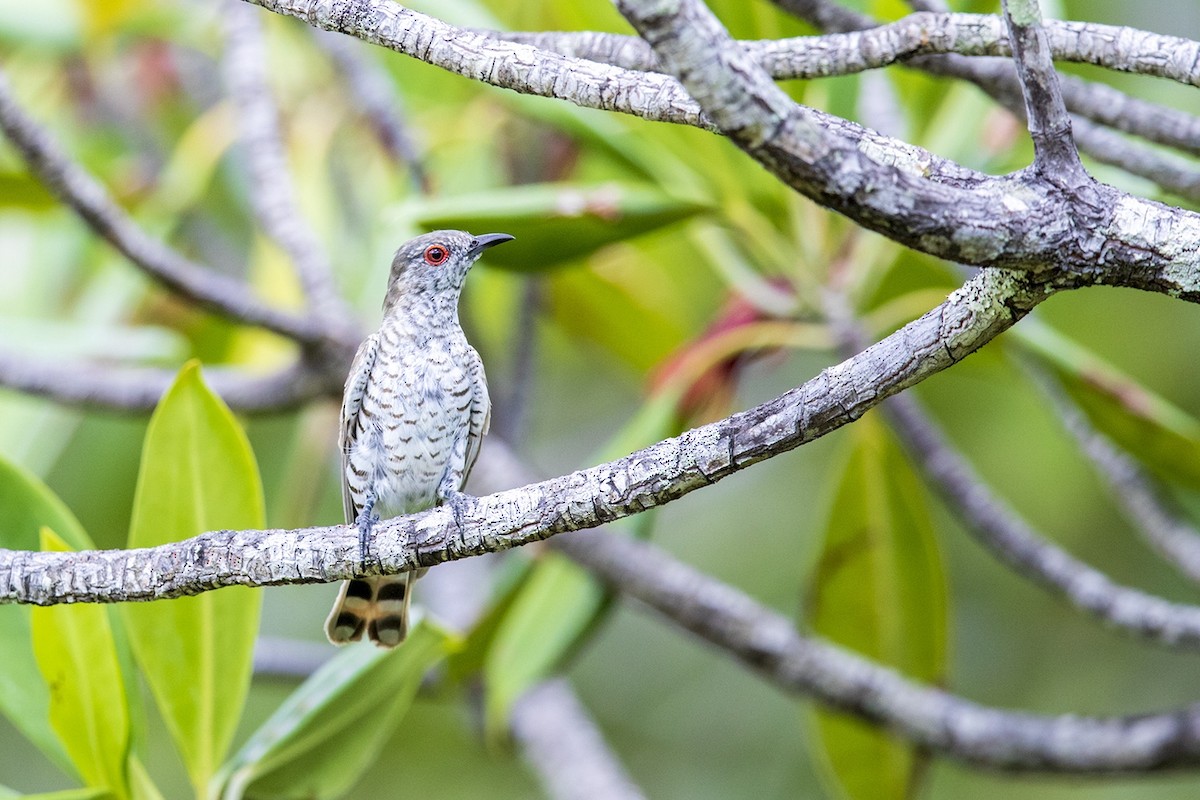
<point>436,263</point>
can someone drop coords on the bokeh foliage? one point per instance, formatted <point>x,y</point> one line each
<point>677,281</point>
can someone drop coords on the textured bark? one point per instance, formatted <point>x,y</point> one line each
<point>973,315</point>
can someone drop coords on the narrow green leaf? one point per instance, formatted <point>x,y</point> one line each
<point>1159,433</point>
<point>27,505</point>
<point>333,726</point>
<point>558,603</point>
<point>555,606</point>
<point>68,794</point>
<point>555,223</point>
<point>879,589</point>
<point>77,655</point>
<point>141,785</point>
<point>197,474</point>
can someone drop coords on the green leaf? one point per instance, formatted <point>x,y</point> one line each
<point>555,223</point>
<point>68,794</point>
<point>333,726</point>
<point>26,506</point>
<point>879,589</point>
<point>555,606</point>
<point>558,603</point>
<point>1160,434</point>
<point>77,655</point>
<point>197,474</point>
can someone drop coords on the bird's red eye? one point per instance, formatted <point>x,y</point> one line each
<point>436,255</point>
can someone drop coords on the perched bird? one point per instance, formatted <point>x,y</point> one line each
<point>414,412</point>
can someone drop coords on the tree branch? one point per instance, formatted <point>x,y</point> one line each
<point>138,389</point>
<point>974,314</point>
<point>84,194</point>
<point>768,643</point>
<point>1055,156</point>
<point>566,749</point>
<point>1010,539</point>
<point>271,190</point>
<point>1177,541</point>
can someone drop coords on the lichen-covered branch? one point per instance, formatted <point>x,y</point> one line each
<point>989,303</point>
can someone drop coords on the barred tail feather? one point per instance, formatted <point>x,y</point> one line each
<point>376,606</point>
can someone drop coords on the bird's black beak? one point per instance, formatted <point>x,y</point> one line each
<point>487,240</point>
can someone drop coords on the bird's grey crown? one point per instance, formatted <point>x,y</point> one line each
<point>413,279</point>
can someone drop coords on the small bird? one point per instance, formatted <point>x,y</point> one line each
<point>414,413</point>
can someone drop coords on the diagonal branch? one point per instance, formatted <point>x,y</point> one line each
<point>988,304</point>
<point>271,189</point>
<point>1162,526</point>
<point>84,194</point>
<point>1011,540</point>
<point>768,643</point>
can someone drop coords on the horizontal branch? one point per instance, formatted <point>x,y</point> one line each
<point>89,199</point>
<point>849,51</point>
<point>986,305</point>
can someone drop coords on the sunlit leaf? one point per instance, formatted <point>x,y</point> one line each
<point>878,589</point>
<point>77,656</point>
<point>555,223</point>
<point>27,505</point>
<point>197,474</point>
<point>333,726</point>
<point>1160,434</point>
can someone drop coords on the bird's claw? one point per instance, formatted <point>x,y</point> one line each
<point>365,522</point>
<point>461,504</point>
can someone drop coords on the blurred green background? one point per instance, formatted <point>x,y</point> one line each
<point>132,89</point>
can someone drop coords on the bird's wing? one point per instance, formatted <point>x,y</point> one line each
<point>352,400</point>
<point>481,415</point>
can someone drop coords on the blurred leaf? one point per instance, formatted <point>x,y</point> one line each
<point>76,653</point>
<point>56,25</point>
<point>333,726</point>
<point>468,660</point>
<point>141,785</point>
<point>68,794</point>
<point>197,474</point>
<point>621,319</point>
<point>19,190</point>
<point>27,505</point>
<point>555,223</point>
<point>1158,433</point>
<point>559,603</point>
<point>878,589</point>
<point>555,605</point>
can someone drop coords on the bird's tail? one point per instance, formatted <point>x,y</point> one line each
<point>378,606</point>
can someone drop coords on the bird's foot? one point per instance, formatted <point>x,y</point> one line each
<point>365,523</point>
<point>461,504</point>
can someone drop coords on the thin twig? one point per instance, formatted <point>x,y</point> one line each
<point>1011,539</point>
<point>138,389</point>
<point>372,90</point>
<point>1165,528</point>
